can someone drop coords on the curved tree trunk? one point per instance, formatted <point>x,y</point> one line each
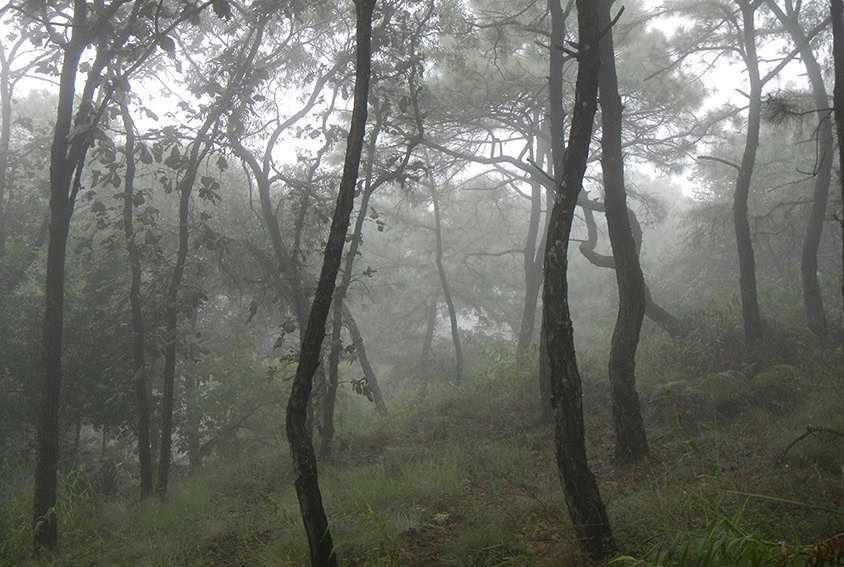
<point>744,241</point>
<point>138,343</point>
<point>655,312</point>
<point>812,300</point>
<point>301,447</point>
<point>631,441</point>
<point>452,313</point>
<point>583,498</point>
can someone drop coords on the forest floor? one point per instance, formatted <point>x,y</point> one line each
<point>467,477</point>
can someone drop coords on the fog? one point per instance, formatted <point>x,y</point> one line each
<point>408,282</point>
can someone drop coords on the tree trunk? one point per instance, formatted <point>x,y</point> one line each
<point>339,310</point>
<point>837,9</point>
<point>556,122</point>
<point>301,447</point>
<point>199,150</point>
<point>138,341</point>
<point>532,257</point>
<point>363,359</point>
<point>631,442</point>
<point>812,300</point>
<point>656,313</point>
<point>583,498</point>
<point>64,158</point>
<point>452,313</point>
<point>193,418</point>
<point>165,445</point>
<point>171,318</point>
<point>744,242</point>
<point>5,138</point>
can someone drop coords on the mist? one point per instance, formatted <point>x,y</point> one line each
<point>409,282</point>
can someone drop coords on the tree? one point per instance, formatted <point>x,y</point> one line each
<point>108,28</point>
<point>812,300</point>
<point>189,165</point>
<point>631,441</point>
<point>138,333</point>
<point>9,77</point>
<point>837,9</point>
<point>449,301</point>
<point>340,310</point>
<point>580,488</point>
<point>733,30</point>
<point>301,446</point>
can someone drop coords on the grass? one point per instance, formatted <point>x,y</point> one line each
<point>466,477</point>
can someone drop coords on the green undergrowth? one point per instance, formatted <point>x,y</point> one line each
<point>466,476</point>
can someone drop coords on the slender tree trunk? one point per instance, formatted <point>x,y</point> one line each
<point>5,139</point>
<point>631,442</point>
<point>837,9</point>
<point>452,313</point>
<point>427,347</point>
<point>339,310</point>
<point>62,166</point>
<point>812,299</point>
<point>199,150</point>
<point>532,258</point>
<point>138,341</point>
<point>192,410</point>
<point>365,365</point>
<point>556,124</point>
<point>301,447</point>
<point>744,240</point>
<point>580,488</point>
<point>171,323</point>
<point>428,340</point>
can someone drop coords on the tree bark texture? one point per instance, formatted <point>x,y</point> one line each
<point>837,9</point>
<point>631,441</point>
<point>744,241</point>
<point>301,447</point>
<point>138,338</point>
<point>580,488</point>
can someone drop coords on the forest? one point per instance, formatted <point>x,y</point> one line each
<point>421,282</point>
